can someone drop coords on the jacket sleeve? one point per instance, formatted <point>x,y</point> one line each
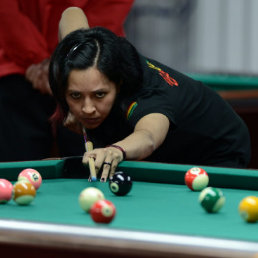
<point>19,37</point>
<point>108,13</point>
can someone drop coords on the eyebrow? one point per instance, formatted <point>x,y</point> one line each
<point>98,90</point>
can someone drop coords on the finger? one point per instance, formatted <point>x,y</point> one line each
<point>113,168</point>
<point>106,170</point>
<point>91,154</point>
<point>30,70</point>
<point>35,78</point>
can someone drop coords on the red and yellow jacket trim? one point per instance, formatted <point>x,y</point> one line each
<point>171,81</point>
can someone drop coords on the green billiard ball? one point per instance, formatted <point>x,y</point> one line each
<point>212,199</point>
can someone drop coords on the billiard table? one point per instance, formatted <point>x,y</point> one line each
<point>160,217</point>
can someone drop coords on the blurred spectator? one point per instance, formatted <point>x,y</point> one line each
<point>28,35</point>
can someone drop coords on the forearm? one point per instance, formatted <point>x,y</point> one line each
<point>138,145</point>
<point>148,135</point>
<point>73,18</point>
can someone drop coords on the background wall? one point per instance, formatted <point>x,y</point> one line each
<point>197,35</point>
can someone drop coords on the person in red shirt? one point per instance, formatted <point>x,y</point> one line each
<point>28,36</point>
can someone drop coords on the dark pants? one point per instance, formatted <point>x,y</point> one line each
<point>25,130</point>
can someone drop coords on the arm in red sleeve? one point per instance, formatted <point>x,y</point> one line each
<point>108,13</point>
<point>19,37</point>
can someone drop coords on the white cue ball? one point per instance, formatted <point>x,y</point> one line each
<point>89,196</point>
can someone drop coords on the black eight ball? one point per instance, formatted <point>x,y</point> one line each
<point>120,184</point>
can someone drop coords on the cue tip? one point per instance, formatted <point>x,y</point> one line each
<point>93,179</point>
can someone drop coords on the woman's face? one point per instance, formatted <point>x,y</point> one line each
<point>90,96</point>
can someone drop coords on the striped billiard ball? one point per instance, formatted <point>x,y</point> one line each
<point>196,179</point>
<point>24,192</point>
<point>31,175</point>
<point>212,199</point>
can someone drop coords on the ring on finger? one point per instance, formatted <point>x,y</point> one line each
<point>107,163</point>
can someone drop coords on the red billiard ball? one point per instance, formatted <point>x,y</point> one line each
<point>196,179</point>
<point>6,190</point>
<point>31,175</point>
<point>103,211</point>
<point>24,192</point>
<point>120,184</point>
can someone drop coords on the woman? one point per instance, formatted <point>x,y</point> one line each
<point>143,109</point>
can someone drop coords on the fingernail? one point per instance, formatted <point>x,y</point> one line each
<point>102,179</point>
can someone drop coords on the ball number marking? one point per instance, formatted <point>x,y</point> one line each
<point>114,187</point>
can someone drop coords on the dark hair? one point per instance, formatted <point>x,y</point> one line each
<point>113,56</point>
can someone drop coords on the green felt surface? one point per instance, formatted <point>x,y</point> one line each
<point>228,81</point>
<point>154,207</point>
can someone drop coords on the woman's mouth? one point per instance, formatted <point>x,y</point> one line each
<point>91,121</point>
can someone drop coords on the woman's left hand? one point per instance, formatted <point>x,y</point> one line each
<point>106,158</point>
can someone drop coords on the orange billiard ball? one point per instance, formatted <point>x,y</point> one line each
<point>23,192</point>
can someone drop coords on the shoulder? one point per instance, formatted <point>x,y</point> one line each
<point>154,72</point>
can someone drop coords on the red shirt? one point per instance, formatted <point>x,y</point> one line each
<point>29,28</point>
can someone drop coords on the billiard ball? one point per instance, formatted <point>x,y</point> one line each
<point>31,175</point>
<point>212,199</point>
<point>103,211</point>
<point>89,196</point>
<point>120,184</point>
<point>248,208</point>
<point>23,192</point>
<point>196,179</point>
<point>6,190</point>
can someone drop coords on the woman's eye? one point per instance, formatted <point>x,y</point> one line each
<point>100,94</point>
<point>75,95</point>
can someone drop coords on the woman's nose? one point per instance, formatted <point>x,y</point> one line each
<point>88,107</point>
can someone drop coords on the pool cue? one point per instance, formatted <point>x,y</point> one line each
<point>89,147</point>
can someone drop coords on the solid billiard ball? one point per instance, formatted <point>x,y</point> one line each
<point>23,192</point>
<point>6,190</point>
<point>89,196</point>
<point>31,175</point>
<point>212,199</point>
<point>103,211</point>
<point>196,179</point>
<point>248,208</point>
<point>120,184</point>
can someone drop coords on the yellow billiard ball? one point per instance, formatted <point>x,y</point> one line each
<point>248,208</point>
<point>23,192</point>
